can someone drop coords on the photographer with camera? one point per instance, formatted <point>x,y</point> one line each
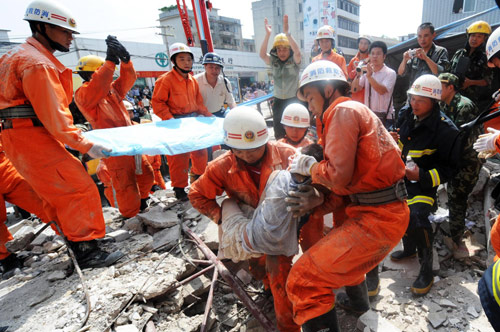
<point>356,62</point>
<point>378,82</point>
<point>428,59</point>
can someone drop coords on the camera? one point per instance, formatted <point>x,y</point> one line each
<point>360,66</point>
<point>412,53</point>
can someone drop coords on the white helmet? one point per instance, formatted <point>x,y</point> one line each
<point>295,115</point>
<point>245,128</point>
<point>128,105</point>
<point>177,48</point>
<point>493,44</point>
<point>51,12</point>
<point>426,86</point>
<point>322,70</point>
<point>324,32</point>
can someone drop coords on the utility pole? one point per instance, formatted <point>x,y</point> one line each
<point>165,36</point>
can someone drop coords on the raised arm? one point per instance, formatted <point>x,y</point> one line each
<point>297,56</point>
<point>263,48</point>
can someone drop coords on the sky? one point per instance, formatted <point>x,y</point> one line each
<point>134,20</point>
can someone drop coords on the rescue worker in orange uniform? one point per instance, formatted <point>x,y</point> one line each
<point>35,92</point>
<point>364,43</point>
<point>243,173</point>
<point>177,95</point>
<point>102,173</point>
<point>295,120</point>
<point>14,189</point>
<point>363,164</point>
<point>326,40</point>
<point>100,99</point>
<point>155,162</point>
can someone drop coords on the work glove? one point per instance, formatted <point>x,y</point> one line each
<point>111,55</point>
<point>99,151</point>
<point>118,48</point>
<point>302,164</point>
<point>486,142</point>
<point>496,95</point>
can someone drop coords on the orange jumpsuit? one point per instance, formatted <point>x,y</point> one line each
<point>14,189</point>
<point>351,73</point>
<point>360,156</point>
<point>493,123</point>
<point>228,174</point>
<point>31,75</point>
<point>334,57</point>
<point>101,102</point>
<point>103,175</point>
<point>155,162</point>
<point>176,96</point>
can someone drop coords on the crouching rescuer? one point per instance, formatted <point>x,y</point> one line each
<point>362,164</point>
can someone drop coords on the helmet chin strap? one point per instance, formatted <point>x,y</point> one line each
<point>183,70</point>
<point>54,45</point>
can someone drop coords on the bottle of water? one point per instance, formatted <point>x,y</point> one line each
<point>411,165</point>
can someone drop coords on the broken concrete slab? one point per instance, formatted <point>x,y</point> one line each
<point>22,238</point>
<point>133,224</point>
<point>56,275</point>
<point>374,322</point>
<point>127,328</point>
<point>158,218</point>
<point>166,238</point>
<point>437,318</point>
<point>209,232</point>
<point>53,245</point>
<point>119,235</point>
<point>196,288</point>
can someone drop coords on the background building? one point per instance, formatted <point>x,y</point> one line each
<point>305,17</point>
<point>443,12</point>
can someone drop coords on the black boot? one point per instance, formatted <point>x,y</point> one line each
<point>144,204</point>
<point>409,248</point>
<point>373,282</point>
<point>180,194</point>
<point>89,255</point>
<point>425,278</point>
<point>355,299</point>
<point>327,322</point>
<point>9,264</point>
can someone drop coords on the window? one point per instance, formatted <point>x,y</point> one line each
<point>302,43</point>
<point>347,24</point>
<point>348,42</point>
<point>301,26</point>
<point>278,8</point>
<point>300,8</point>
<point>348,6</point>
<point>463,6</point>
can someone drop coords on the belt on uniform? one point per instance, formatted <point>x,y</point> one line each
<point>187,115</point>
<point>17,112</point>
<point>7,124</point>
<point>395,193</point>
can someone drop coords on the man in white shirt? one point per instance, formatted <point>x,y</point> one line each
<point>378,80</point>
<point>214,87</point>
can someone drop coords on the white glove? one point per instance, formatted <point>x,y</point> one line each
<point>486,142</point>
<point>302,164</point>
<point>496,95</point>
<point>99,151</point>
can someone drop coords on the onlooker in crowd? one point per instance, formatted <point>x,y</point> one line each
<point>35,92</point>
<point>355,66</point>
<point>177,95</point>
<point>471,66</point>
<point>145,103</point>
<point>460,110</point>
<point>146,92</point>
<point>326,41</point>
<point>214,87</point>
<point>378,82</point>
<point>284,60</point>
<point>428,59</point>
<point>100,99</point>
<point>427,136</point>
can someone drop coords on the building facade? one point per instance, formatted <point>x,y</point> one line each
<point>305,17</point>
<point>442,12</point>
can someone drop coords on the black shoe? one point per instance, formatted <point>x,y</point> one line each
<point>425,279</point>
<point>144,204</point>
<point>89,255</point>
<point>373,282</point>
<point>9,264</point>
<point>355,299</point>
<point>155,187</point>
<point>180,194</point>
<point>409,248</point>
<point>327,322</point>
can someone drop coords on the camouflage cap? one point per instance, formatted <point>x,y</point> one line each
<point>449,78</point>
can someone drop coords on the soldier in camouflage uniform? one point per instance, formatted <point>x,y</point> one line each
<point>460,110</point>
<point>470,65</point>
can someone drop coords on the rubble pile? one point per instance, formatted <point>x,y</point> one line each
<point>165,280</point>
